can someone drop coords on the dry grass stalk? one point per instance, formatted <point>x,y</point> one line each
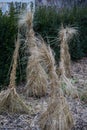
<point>65,35</point>
<point>13,71</point>
<point>9,99</point>
<point>57,116</point>
<point>36,77</point>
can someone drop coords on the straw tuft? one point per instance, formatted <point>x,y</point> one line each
<point>26,18</point>
<point>36,78</point>
<point>11,102</point>
<point>66,34</point>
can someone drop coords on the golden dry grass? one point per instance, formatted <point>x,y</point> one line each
<point>65,35</point>
<point>36,76</point>
<point>58,115</point>
<point>12,83</point>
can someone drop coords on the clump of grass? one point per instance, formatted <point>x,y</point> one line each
<point>57,116</point>
<point>10,101</point>
<point>36,76</point>
<point>65,35</point>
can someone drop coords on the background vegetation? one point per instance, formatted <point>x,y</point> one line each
<point>8,31</point>
<point>47,22</point>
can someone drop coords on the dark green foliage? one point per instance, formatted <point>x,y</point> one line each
<point>8,32</point>
<point>48,20</point>
<point>8,35</point>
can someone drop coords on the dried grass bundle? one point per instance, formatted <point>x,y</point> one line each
<point>36,76</point>
<point>9,99</point>
<point>11,102</point>
<point>57,116</point>
<point>65,35</point>
<point>46,56</point>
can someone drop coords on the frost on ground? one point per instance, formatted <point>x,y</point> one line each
<point>77,107</point>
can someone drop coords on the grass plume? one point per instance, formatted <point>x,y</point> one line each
<point>65,35</point>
